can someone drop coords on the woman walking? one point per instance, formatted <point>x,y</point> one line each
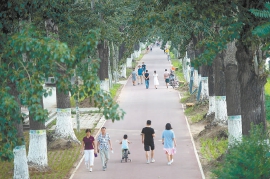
<point>156,83</point>
<point>169,142</point>
<point>89,148</point>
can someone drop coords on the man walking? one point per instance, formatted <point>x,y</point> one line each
<point>148,134</point>
<point>167,77</point>
<point>140,74</point>
<point>103,144</point>
<point>143,67</point>
<point>146,77</point>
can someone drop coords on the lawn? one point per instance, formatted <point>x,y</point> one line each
<point>114,89</point>
<point>267,99</point>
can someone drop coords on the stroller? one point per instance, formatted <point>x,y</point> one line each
<point>172,80</point>
<point>125,156</point>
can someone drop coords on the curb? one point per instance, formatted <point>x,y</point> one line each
<point>192,140</point>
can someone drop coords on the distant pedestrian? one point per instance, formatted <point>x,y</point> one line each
<point>104,142</point>
<point>164,50</point>
<point>167,77</point>
<point>169,142</point>
<point>143,67</point>
<point>156,83</point>
<point>140,74</point>
<point>134,76</point>
<point>89,148</point>
<point>125,143</point>
<point>148,134</point>
<point>150,48</point>
<point>146,77</point>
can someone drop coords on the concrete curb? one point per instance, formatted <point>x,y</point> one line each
<point>192,140</point>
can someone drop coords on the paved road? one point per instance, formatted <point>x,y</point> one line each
<point>161,106</point>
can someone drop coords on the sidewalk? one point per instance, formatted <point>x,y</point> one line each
<point>160,106</point>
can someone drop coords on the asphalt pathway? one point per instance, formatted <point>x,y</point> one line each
<point>160,106</point>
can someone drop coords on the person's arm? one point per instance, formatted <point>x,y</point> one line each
<point>95,146</point>
<point>129,142</point>
<point>120,142</point>
<point>142,137</point>
<point>109,140</point>
<point>82,147</point>
<point>174,141</point>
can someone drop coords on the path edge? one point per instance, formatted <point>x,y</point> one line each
<point>192,140</point>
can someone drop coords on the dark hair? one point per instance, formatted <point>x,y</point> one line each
<point>148,122</point>
<point>88,130</point>
<point>125,136</point>
<point>168,126</point>
<point>146,70</point>
<point>155,71</point>
<point>165,69</point>
<point>103,128</point>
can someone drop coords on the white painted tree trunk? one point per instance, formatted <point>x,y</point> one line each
<point>196,78</point>
<point>204,92</point>
<point>124,71</point>
<point>220,109</point>
<point>20,163</point>
<point>234,129</point>
<point>212,107</point>
<point>105,85</point>
<point>129,62</point>
<point>38,148</point>
<point>64,127</point>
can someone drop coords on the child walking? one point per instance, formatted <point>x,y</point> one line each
<point>125,143</point>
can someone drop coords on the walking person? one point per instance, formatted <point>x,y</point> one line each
<point>148,134</point>
<point>140,74</point>
<point>89,149</point>
<point>167,77</point>
<point>104,143</point>
<point>146,77</point>
<point>134,75</point>
<point>143,67</point>
<point>156,83</point>
<point>169,143</point>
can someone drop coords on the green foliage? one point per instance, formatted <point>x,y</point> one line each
<point>267,99</point>
<point>196,118</point>
<point>211,149</point>
<point>248,158</point>
<point>115,89</point>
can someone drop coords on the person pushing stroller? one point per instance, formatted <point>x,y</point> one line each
<point>125,148</point>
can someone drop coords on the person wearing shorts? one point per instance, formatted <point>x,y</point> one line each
<point>167,77</point>
<point>148,134</point>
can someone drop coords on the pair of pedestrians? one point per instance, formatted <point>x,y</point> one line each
<point>91,148</point>
<point>168,141</point>
<point>141,72</point>
<point>146,77</point>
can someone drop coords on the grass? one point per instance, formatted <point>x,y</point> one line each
<point>196,118</point>
<point>176,63</point>
<point>211,149</point>
<point>60,161</point>
<point>114,89</point>
<point>267,99</point>
<point>140,57</point>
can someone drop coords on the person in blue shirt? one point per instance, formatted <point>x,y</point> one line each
<point>143,67</point>
<point>169,142</point>
<point>140,75</point>
<point>125,143</point>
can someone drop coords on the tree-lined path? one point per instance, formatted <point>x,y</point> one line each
<point>161,106</point>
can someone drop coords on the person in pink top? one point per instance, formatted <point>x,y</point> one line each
<point>89,149</point>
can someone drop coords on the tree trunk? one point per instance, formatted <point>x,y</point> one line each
<point>211,90</point>
<point>220,90</point>
<point>20,160</point>
<point>64,127</point>
<point>233,95</point>
<point>103,53</point>
<point>251,87</point>
<point>204,69</point>
<point>37,155</point>
<point>122,50</point>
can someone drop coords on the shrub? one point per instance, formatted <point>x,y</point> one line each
<point>248,159</point>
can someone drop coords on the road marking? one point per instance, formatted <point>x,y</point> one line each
<point>192,140</point>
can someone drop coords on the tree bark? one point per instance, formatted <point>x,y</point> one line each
<point>211,90</point>
<point>251,87</point>
<point>233,95</point>
<point>220,89</point>
<point>204,70</point>
<point>103,53</point>
<point>19,151</point>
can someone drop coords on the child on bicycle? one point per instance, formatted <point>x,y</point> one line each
<point>125,143</point>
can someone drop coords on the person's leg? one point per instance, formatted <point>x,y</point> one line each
<point>152,153</point>
<point>147,84</point>
<point>86,158</point>
<point>147,149</point>
<point>102,156</point>
<point>91,158</point>
<point>107,157</point>
<point>168,157</point>
<point>171,157</point>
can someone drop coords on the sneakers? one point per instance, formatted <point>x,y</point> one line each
<point>90,170</point>
<point>148,161</point>
<point>171,161</point>
<point>104,168</point>
<point>153,160</point>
